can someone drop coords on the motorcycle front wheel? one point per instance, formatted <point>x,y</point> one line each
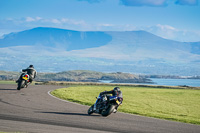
<point>108,111</point>
<point>90,110</point>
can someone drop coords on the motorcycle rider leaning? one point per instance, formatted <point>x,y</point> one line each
<point>31,72</point>
<point>115,92</point>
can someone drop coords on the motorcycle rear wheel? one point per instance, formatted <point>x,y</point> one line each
<point>21,84</point>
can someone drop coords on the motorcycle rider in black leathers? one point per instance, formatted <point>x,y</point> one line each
<point>31,72</point>
<point>115,92</point>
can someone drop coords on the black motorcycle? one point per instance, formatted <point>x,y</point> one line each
<point>105,105</point>
<point>23,81</point>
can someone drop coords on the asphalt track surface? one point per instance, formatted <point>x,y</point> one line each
<point>33,110</point>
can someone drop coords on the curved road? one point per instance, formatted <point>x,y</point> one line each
<point>33,110</point>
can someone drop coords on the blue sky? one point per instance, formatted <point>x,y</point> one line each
<point>171,19</point>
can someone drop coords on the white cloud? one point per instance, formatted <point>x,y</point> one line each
<point>165,31</point>
<point>15,25</point>
<point>165,27</point>
<point>144,2</point>
<point>64,21</point>
<point>38,18</point>
<point>92,1</point>
<point>187,2</point>
<point>169,32</point>
<point>29,19</point>
<point>56,21</point>
<point>157,3</point>
<point>133,2</point>
<point>106,25</point>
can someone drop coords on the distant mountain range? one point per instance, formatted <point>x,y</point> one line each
<point>55,50</point>
<point>56,38</point>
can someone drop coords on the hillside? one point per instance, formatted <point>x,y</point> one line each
<point>55,38</point>
<point>55,50</point>
<point>80,76</point>
<point>141,46</point>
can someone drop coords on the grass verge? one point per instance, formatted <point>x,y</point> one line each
<point>14,82</point>
<point>7,82</point>
<point>171,104</point>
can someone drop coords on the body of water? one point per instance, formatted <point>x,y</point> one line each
<point>168,82</point>
<point>177,82</point>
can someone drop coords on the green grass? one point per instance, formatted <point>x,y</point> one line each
<point>181,105</point>
<point>7,82</point>
<point>13,82</point>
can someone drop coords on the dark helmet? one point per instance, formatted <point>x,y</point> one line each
<point>116,89</point>
<point>31,66</point>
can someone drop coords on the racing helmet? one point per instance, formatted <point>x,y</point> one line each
<point>31,66</point>
<point>116,89</point>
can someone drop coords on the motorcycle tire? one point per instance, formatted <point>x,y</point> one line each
<point>90,110</point>
<point>21,84</point>
<point>108,111</point>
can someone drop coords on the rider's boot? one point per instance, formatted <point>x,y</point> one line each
<point>94,108</point>
<point>114,111</point>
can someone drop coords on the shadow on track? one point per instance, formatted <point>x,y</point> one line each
<point>61,113</point>
<point>9,89</point>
